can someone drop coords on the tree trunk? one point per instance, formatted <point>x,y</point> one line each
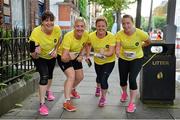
<point>138,14</point>
<point>118,13</point>
<point>150,18</point>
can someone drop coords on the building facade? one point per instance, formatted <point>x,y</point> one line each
<point>5,14</point>
<point>66,11</point>
<point>22,14</point>
<point>177,17</point>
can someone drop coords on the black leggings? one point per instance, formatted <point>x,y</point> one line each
<point>103,72</point>
<point>45,68</point>
<point>129,69</point>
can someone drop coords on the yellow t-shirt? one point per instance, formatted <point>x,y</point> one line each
<point>46,42</point>
<point>97,44</point>
<point>131,46</point>
<point>71,43</point>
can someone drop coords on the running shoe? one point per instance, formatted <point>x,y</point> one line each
<point>50,96</point>
<point>124,97</point>
<point>69,106</point>
<point>102,102</point>
<point>43,110</point>
<point>131,108</point>
<point>75,94</point>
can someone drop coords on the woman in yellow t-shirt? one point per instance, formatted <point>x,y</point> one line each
<point>129,45</point>
<point>70,55</point>
<point>103,43</point>
<point>44,41</point>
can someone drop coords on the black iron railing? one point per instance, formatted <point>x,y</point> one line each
<point>15,59</point>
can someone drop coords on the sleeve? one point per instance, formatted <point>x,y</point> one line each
<point>33,37</point>
<point>144,35</point>
<point>113,40</point>
<point>88,39</point>
<point>117,37</point>
<point>66,42</point>
<point>59,31</point>
<point>33,41</point>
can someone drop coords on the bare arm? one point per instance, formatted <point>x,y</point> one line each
<point>59,42</point>
<point>118,48</point>
<point>109,52</point>
<point>53,53</point>
<point>146,43</point>
<point>65,57</point>
<point>88,49</point>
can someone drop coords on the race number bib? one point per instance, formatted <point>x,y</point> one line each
<point>130,54</point>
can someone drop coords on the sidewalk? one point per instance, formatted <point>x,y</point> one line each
<point>87,104</point>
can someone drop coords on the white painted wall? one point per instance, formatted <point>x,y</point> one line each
<point>177,16</point>
<point>54,9</point>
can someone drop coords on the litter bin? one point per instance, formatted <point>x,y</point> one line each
<point>157,76</point>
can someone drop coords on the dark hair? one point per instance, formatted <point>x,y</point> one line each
<point>101,18</point>
<point>46,15</point>
<point>128,16</point>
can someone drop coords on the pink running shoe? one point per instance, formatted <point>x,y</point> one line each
<point>43,110</point>
<point>98,92</point>
<point>102,102</point>
<point>50,96</point>
<point>124,97</point>
<point>131,108</point>
<point>75,94</point>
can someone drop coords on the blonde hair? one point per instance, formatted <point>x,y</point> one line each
<point>101,18</point>
<point>81,19</point>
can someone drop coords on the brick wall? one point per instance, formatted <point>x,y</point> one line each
<point>34,11</point>
<point>1,4</point>
<point>3,25</point>
<point>46,4</point>
<point>65,12</point>
<point>68,11</point>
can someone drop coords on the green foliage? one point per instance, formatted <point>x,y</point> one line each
<point>115,5</point>
<point>27,77</point>
<point>144,24</point>
<point>161,10</point>
<point>159,22</point>
<point>1,32</point>
<point>2,86</point>
<point>5,33</point>
<point>109,15</point>
<point>82,8</point>
<point>92,29</point>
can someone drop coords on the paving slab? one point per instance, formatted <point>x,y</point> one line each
<point>87,105</point>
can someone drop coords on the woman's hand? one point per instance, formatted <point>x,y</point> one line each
<point>117,53</point>
<point>34,55</point>
<point>101,51</point>
<point>79,58</point>
<point>117,49</point>
<point>73,55</point>
<point>53,53</point>
<point>38,49</point>
<point>65,57</point>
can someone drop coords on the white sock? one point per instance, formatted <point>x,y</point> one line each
<point>67,99</point>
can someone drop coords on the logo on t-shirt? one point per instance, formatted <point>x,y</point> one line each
<point>55,40</point>
<point>107,46</point>
<point>137,43</point>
